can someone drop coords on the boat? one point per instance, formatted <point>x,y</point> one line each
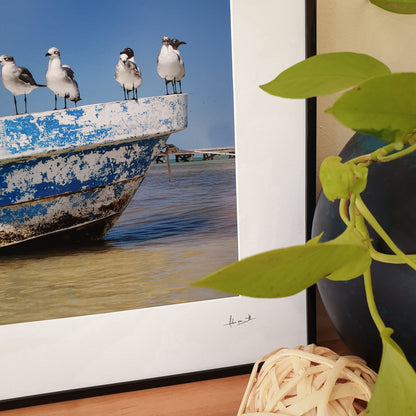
<point>67,175</point>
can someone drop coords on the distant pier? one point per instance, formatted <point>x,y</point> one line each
<point>188,155</point>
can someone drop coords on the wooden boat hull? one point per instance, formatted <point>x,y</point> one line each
<point>78,181</point>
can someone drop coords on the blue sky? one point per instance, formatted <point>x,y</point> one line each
<point>91,34</point>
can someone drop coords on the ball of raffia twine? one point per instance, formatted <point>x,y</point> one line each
<point>308,381</point>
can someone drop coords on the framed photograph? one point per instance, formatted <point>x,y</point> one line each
<point>122,310</point>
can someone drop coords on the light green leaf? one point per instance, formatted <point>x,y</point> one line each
<point>339,179</point>
<point>383,106</point>
<point>314,240</point>
<point>397,6</point>
<point>325,74</point>
<point>284,272</point>
<point>395,389</point>
<point>351,237</point>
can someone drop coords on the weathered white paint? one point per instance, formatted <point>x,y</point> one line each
<point>71,168</point>
<point>67,212</point>
<point>91,125</point>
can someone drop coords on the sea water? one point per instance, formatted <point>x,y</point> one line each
<point>171,234</point>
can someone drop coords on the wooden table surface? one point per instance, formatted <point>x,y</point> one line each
<point>217,397</point>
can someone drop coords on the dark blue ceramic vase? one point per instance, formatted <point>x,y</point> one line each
<point>391,197</point>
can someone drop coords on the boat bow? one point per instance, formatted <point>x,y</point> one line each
<point>72,172</point>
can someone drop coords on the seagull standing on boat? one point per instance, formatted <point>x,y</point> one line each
<point>128,74</point>
<point>166,62</point>
<point>180,67</point>
<point>60,78</point>
<point>17,79</point>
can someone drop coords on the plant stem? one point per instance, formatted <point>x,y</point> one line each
<point>373,156</point>
<point>343,209</point>
<point>379,230</point>
<point>351,210</point>
<point>376,255</point>
<point>397,155</point>
<point>369,294</point>
<point>371,302</point>
<point>390,258</point>
<point>383,154</point>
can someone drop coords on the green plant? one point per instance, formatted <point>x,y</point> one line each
<point>377,102</point>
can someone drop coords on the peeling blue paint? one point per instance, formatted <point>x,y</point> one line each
<point>64,169</point>
<point>48,216</point>
<point>30,134</point>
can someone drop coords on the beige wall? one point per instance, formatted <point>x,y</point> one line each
<point>359,26</point>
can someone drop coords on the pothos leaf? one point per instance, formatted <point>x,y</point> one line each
<point>287,271</point>
<point>395,390</point>
<point>339,179</point>
<point>324,74</point>
<point>382,106</point>
<point>397,6</point>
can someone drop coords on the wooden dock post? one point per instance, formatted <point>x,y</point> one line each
<point>168,162</point>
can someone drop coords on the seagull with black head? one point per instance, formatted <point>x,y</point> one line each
<point>179,72</point>
<point>170,66</point>
<point>128,74</point>
<point>166,62</point>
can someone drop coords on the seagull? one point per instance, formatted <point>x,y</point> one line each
<point>16,79</point>
<point>166,62</point>
<point>170,66</point>
<point>180,68</point>
<point>127,74</point>
<point>60,78</point>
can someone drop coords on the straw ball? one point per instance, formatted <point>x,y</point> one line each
<point>308,381</point>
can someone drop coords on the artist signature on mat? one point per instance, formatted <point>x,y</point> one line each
<point>237,322</point>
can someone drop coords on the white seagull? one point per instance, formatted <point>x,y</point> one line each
<point>128,74</point>
<point>180,69</point>
<point>170,66</point>
<point>60,78</point>
<point>17,79</point>
<point>166,62</point>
